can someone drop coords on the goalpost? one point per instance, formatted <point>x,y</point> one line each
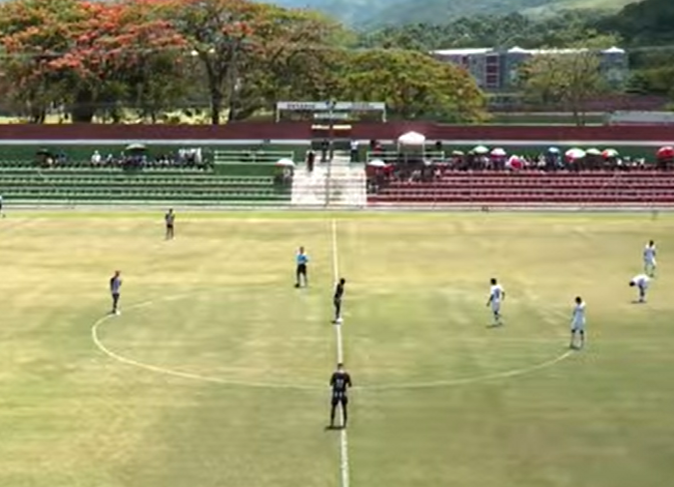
<point>331,110</point>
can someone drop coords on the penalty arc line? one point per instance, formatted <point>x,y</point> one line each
<point>343,439</point>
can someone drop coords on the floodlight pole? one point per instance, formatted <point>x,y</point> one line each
<point>331,152</point>
<point>331,130</point>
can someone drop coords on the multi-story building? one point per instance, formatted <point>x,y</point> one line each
<point>498,69</point>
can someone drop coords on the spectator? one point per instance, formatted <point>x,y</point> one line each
<point>96,158</point>
<point>311,156</point>
<point>354,151</point>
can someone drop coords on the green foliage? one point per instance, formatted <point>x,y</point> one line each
<point>413,85</point>
<point>644,23</point>
<point>570,79</point>
<point>368,14</point>
<point>487,31</point>
<point>240,57</point>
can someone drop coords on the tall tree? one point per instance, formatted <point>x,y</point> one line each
<point>85,55</point>
<point>412,84</point>
<point>218,34</point>
<point>292,57</point>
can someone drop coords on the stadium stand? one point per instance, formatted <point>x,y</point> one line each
<point>229,180</point>
<point>637,187</point>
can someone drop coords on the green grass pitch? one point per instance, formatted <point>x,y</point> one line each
<point>217,368</point>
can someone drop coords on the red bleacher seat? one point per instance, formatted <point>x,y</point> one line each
<point>645,187</point>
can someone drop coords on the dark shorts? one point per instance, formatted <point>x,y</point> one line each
<point>115,295</point>
<point>302,269</point>
<point>169,226</point>
<point>337,302</point>
<point>343,400</point>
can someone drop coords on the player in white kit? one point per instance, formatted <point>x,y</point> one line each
<point>641,282</point>
<point>496,296</point>
<point>578,324</point>
<point>649,259</point>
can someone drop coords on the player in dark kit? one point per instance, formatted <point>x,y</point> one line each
<point>337,300</point>
<point>340,382</point>
<point>169,218</point>
<point>115,285</point>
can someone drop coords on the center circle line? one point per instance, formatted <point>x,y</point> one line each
<point>303,387</point>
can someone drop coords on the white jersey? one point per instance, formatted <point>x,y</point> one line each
<point>649,253</point>
<point>578,319</point>
<point>641,280</point>
<point>496,293</point>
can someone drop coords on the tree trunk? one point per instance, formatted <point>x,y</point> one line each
<point>83,110</point>
<point>38,115</point>
<point>216,105</point>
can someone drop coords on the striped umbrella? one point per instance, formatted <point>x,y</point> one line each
<point>498,152</point>
<point>575,154</point>
<point>481,150</point>
<point>666,152</point>
<point>610,154</point>
<point>515,163</point>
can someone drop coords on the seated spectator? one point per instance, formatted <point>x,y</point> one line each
<point>96,159</point>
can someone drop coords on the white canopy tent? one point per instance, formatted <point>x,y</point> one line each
<point>412,146</point>
<point>412,139</point>
<point>285,163</point>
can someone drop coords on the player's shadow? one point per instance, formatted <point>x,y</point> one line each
<point>333,428</point>
<point>636,301</point>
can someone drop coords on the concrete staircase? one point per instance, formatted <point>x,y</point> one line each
<point>338,183</point>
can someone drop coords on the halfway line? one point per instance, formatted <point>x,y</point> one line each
<point>343,440</point>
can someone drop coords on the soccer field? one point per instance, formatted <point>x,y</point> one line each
<point>216,372</point>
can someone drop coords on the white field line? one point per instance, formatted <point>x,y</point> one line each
<point>343,439</point>
<point>340,357</point>
<point>177,373</point>
<point>471,380</point>
<point>219,380</point>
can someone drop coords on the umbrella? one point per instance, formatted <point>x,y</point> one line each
<point>593,152</point>
<point>481,150</point>
<point>575,154</point>
<point>666,152</point>
<point>285,163</point>
<point>498,152</point>
<point>610,153</point>
<point>515,163</point>
<point>377,163</point>
<point>136,147</point>
<point>553,150</point>
<point>457,153</point>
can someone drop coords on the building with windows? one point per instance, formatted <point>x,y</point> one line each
<point>498,69</point>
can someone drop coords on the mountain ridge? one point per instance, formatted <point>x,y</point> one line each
<point>376,13</point>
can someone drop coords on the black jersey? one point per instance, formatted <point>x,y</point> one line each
<point>339,292</point>
<point>340,382</point>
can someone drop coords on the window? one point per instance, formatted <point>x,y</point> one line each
<point>492,80</point>
<point>492,60</point>
<point>492,69</point>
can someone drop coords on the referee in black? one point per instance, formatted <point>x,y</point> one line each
<point>337,300</point>
<point>340,382</point>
